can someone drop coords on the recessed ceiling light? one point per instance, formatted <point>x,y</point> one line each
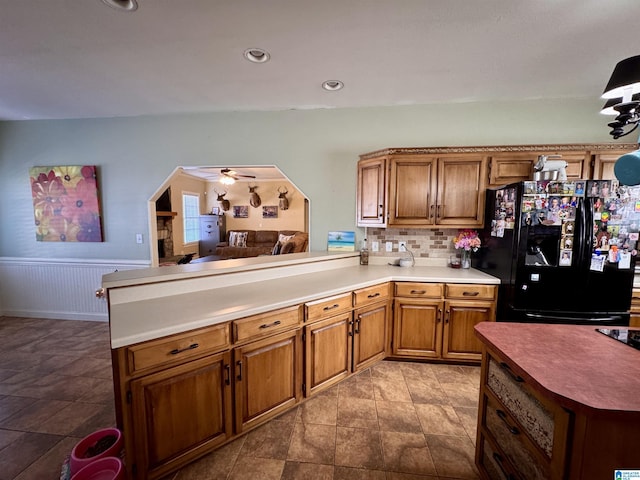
<point>124,5</point>
<point>256,55</point>
<point>332,85</point>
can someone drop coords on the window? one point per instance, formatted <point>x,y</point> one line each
<point>191,214</point>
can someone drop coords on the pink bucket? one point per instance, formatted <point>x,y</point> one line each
<point>106,468</point>
<point>100,444</point>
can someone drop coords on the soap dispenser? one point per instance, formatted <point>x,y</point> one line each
<point>364,253</point>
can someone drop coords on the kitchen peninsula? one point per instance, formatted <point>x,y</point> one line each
<point>204,352</point>
<point>558,402</point>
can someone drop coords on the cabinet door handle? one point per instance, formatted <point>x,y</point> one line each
<point>431,210</point>
<point>239,363</point>
<point>350,328</point>
<point>227,380</point>
<point>511,373</point>
<point>380,210</point>
<point>267,325</point>
<point>470,294</point>
<point>446,317</point>
<point>438,211</point>
<point>503,417</point>
<point>374,295</point>
<point>439,317</point>
<point>498,458</point>
<point>357,329</point>
<point>335,305</point>
<point>418,292</point>
<point>176,351</point>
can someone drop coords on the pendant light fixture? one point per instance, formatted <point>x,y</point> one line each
<point>623,84</point>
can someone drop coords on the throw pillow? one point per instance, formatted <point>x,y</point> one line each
<point>238,239</point>
<point>232,238</point>
<point>276,249</point>
<point>284,238</point>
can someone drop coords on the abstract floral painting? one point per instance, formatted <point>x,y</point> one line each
<point>65,203</point>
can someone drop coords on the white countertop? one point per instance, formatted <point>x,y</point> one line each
<point>134,321</point>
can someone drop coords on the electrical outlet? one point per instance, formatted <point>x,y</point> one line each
<point>138,238</point>
<point>402,246</point>
<point>374,246</point>
<point>388,246</point>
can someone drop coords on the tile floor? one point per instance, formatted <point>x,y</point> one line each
<point>394,421</point>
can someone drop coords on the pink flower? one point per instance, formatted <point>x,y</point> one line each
<point>467,240</point>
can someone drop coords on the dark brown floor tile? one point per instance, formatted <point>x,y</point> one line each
<point>321,409</point>
<point>454,374</point>
<point>49,466</point>
<point>104,417</point>
<point>24,451</point>
<point>8,436</point>
<point>215,466</point>
<point>417,370</point>
<point>357,413</point>
<point>410,476</point>
<point>462,394</point>
<point>357,386</point>
<point>10,405</point>
<point>313,444</point>
<point>469,418</point>
<point>439,420</point>
<point>453,456</point>
<point>31,417</point>
<point>306,471</point>
<point>68,419</point>
<point>407,452</point>
<point>387,369</point>
<point>397,417</point>
<point>426,390</point>
<point>89,367</point>
<point>23,379</point>
<point>102,394</point>
<point>7,373</point>
<point>253,468</point>
<point>358,448</point>
<point>268,441</point>
<point>393,389</point>
<point>348,473</point>
<point>59,387</point>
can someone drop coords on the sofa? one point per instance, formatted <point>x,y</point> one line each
<point>253,243</point>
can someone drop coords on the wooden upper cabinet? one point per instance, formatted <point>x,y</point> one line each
<point>461,187</point>
<point>431,191</point>
<point>508,168</point>
<point>603,164</point>
<point>371,206</point>
<point>412,190</point>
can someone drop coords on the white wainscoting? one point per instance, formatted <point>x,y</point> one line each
<point>62,289</point>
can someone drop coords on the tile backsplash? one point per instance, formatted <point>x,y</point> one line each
<point>423,243</point>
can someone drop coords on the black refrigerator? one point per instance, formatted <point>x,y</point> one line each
<point>564,251</point>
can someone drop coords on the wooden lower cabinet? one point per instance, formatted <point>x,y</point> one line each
<point>436,320</point>
<point>328,349</point>
<point>267,378</point>
<point>370,335</point>
<point>180,413</point>
<point>417,328</point>
<point>634,321</point>
<point>459,340</point>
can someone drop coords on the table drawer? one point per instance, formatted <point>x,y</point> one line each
<point>258,326</point>
<point>516,446</point>
<point>494,463</point>
<point>327,307</point>
<point>183,346</point>
<point>369,295</point>
<point>419,290</point>
<point>470,291</point>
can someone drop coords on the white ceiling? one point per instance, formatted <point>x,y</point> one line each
<point>80,58</point>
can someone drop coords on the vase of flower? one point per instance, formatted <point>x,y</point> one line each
<point>467,241</point>
<point>465,261</point>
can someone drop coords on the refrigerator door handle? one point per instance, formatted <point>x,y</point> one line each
<point>567,319</point>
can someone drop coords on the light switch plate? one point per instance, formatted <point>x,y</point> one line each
<point>374,246</point>
<point>138,238</point>
<point>388,246</point>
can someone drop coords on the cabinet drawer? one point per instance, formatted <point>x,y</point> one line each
<point>470,291</point>
<point>327,307</point>
<point>419,290</point>
<point>368,295</point>
<point>176,348</point>
<point>516,446</point>
<point>264,324</point>
<point>533,416</point>
<point>495,465</point>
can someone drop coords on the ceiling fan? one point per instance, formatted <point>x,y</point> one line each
<point>229,177</point>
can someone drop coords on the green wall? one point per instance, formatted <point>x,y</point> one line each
<point>316,149</point>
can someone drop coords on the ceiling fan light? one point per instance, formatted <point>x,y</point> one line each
<point>624,79</point>
<point>227,180</point>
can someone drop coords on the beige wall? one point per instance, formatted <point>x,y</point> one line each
<point>180,184</point>
<point>238,194</point>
